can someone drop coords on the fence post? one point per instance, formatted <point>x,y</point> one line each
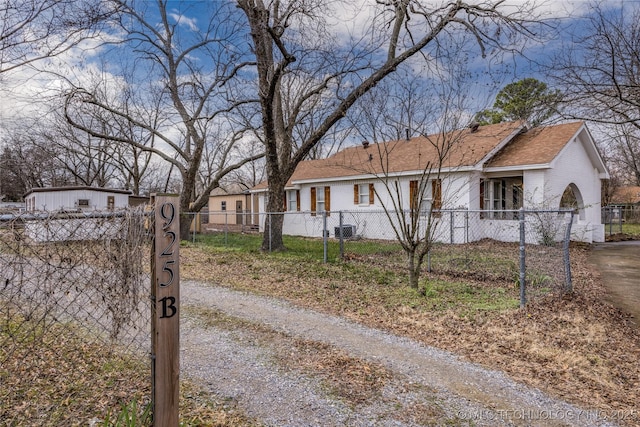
<point>325,236</point>
<point>270,232</point>
<point>466,226</point>
<point>620,218</point>
<point>226,229</point>
<point>165,317</point>
<point>568,285</point>
<point>523,268</point>
<point>341,235</point>
<point>451,230</point>
<point>196,223</point>
<point>610,220</point>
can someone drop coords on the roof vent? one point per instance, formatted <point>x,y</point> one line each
<point>365,144</point>
<point>474,126</point>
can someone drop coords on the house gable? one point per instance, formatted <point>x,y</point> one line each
<point>539,148</point>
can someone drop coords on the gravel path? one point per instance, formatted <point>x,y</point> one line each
<point>428,386</point>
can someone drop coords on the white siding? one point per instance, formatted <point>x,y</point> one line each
<point>573,166</point>
<point>68,200</point>
<point>533,183</point>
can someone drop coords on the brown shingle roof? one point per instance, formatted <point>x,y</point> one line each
<point>536,146</point>
<point>502,142</point>
<point>457,149</point>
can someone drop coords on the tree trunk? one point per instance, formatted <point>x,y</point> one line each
<point>414,269</point>
<point>185,225</point>
<point>273,222</point>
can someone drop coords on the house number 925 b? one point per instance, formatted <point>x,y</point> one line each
<point>168,214</point>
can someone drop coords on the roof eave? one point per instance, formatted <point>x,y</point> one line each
<point>516,168</point>
<point>445,170</point>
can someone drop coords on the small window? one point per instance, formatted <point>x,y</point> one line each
<point>419,196</point>
<point>223,205</point>
<point>363,194</point>
<point>83,203</point>
<point>111,202</point>
<point>320,200</point>
<point>293,200</point>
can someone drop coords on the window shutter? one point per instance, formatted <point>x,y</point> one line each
<point>413,194</point>
<point>356,194</point>
<point>436,193</point>
<point>482,194</point>
<point>327,200</point>
<point>298,200</point>
<point>372,194</point>
<point>313,201</point>
<point>284,202</point>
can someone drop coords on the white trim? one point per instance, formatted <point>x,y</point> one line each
<point>368,177</point>
<point>517,169</point>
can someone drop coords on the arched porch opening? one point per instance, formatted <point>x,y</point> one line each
<point>572,198</point>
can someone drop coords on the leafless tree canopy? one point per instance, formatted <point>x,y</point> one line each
<point>32,30</point>
<point>599,72</point>
<point>309,75</point>
<point>172,99</point>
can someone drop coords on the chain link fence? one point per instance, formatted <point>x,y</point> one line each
<point>74,315</point>
<point>614,218</point>
<point>515,246</point>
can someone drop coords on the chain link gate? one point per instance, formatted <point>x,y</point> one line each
<point>74,315</point>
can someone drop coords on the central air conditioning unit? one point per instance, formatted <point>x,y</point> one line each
<point>348,231</point>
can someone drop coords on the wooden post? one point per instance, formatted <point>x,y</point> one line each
<point>165,315</point>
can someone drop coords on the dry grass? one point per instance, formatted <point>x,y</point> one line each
<point>575,347</point>
<point>57,376</point>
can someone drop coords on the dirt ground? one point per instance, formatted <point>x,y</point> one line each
<point>577,347</point>
<point>618,266</point>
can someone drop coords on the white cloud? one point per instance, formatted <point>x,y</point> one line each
<point>190,23</point>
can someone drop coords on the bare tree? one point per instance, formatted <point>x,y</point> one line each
<point>175,94</point>
<point>86,159</point>
<point>622,146</point>
<point>599,70</point>
<point>33,30</point>
<point>28,163</point>
<point>397,117</point>
<point>305,71</point>
<point>599,73</point>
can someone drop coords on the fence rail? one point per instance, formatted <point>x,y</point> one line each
<point>531,245</point>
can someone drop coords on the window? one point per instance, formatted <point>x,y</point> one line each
<point>293,200</point>
<point>83,203</point>
<point>320,200</point>
<point>418,197</point>
<point>500,197</point>
<point>363,194</point>
<point>111,202</point>
<point>223,206</point>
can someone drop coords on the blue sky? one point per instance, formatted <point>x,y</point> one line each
<point>19,89</point>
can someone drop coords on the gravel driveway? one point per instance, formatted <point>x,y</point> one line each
<point>427,386</point>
